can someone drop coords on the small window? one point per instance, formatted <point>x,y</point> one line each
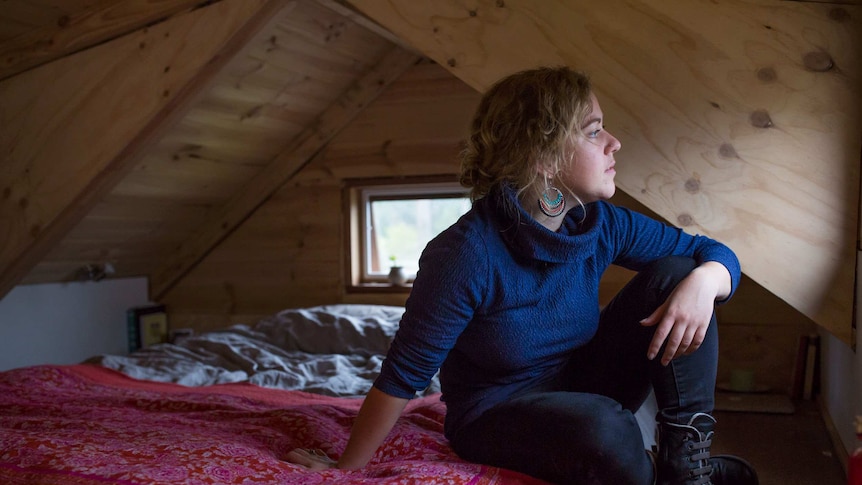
<point>392,223</point>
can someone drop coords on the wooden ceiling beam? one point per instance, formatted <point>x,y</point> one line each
<point>73,128</point>
<point>76,31</point>
<point>224,220</point>
<point>349,12</point>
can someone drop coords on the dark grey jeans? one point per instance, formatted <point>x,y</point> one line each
<point>580,428</point>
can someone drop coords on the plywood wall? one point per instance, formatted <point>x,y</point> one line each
<point>758,331</point>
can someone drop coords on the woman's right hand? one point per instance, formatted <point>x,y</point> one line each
<point>377,416</point>
<point>311,458</point>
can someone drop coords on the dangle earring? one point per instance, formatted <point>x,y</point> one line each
<point>552,203</point>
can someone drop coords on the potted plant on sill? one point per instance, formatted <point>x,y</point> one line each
<point>396,273</point>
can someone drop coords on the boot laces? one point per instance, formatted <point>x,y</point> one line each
<point>697,448</point>
<point>698,453</point>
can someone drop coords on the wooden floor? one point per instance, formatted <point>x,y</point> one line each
<point>785,449</point>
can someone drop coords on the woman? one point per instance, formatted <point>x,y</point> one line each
<point>536,377</point>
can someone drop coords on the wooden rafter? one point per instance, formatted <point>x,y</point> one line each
<point>348,11</point>
<point>121,97</point>
<point>80,30</point>
<point>225,219</point>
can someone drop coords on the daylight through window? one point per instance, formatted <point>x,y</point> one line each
<point>397,221</point>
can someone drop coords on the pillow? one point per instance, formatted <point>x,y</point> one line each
<point>333,329</point>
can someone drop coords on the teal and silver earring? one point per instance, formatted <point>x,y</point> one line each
<point>552,203</point>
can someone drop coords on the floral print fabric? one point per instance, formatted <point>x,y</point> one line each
<point>85,424</point>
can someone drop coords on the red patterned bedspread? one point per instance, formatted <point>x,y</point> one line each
<point>85,424</point>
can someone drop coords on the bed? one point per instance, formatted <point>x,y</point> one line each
<point>226,407</point>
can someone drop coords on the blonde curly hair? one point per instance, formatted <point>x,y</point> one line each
<point>521,128</point>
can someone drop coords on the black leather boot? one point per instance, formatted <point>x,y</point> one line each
<point>683,457</point>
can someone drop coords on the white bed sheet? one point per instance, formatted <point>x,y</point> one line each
<point>334,350</point>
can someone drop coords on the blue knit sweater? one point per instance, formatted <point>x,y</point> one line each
<point>500,301</point>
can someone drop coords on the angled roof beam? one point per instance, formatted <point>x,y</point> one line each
<point>348,11</point>
<point>83,29</point>
<point>225,219</point>
<point>75,127</point>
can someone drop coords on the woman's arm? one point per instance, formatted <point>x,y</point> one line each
<point>452,278</point>
<point>377,416</point>
<point>684,318</point>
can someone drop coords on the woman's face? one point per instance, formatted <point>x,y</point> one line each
<point>590,175</point>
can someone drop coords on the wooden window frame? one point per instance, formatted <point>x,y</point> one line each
<point>355,198</point>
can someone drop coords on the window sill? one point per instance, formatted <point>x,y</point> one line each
<point>379,288</point>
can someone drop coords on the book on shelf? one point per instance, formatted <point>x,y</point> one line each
<point>799,363</point>
<point>806,373</point>
<point>146,325</point>
<point>811,386</point>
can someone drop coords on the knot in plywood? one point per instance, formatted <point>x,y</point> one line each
<point>839,14</point>
<point>692,185</point>
<point>818,61</point>
<point>726,150</point>
<point>766,75</point>
<point>761,119</point>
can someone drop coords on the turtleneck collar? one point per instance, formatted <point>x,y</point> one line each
<point>575,240</point>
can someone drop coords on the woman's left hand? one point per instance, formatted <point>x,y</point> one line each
<point>682,320</point>
<point>313,459</point>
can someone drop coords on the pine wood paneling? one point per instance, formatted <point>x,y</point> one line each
<point>223,221</point>
<point>289,253</point>
<point>68,143</point>
<point>768,351</point>
<point>34,33</point>
<point>251,113</point>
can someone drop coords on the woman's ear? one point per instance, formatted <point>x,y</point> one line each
<point>544,171</point>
